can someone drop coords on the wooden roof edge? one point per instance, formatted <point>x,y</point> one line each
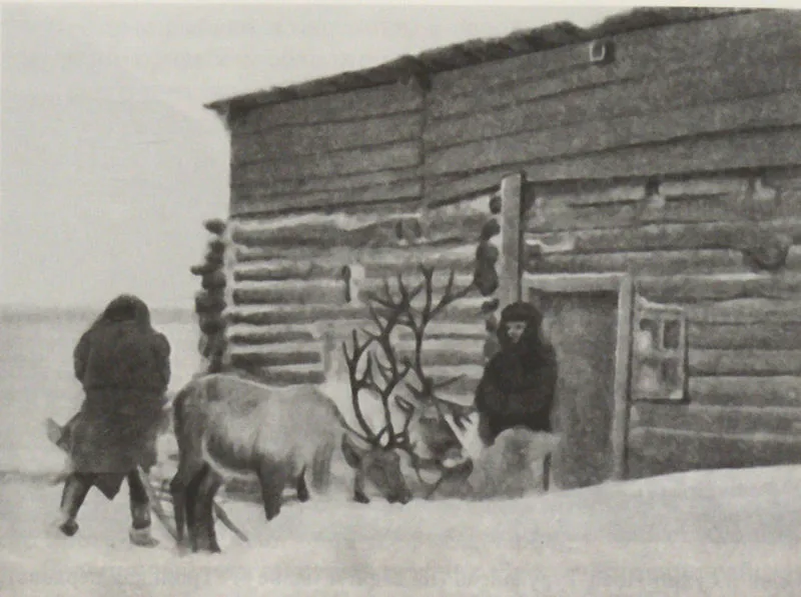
<point>475,51</point>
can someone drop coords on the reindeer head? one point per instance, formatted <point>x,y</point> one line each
<point>386,370</point>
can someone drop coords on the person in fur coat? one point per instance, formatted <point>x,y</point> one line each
<point>519,382</point>
<point>123,365</point>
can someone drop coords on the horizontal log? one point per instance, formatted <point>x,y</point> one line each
<point>265,357</point>
<point>283,376</point>
<point>335,163</point>
<point>660,451</point>
<point>262,199</point>
<point>655,237</point>
<point>377,262</point>
<point>450,330</point>
<point>310,139</point>
<point>349,182</point>
<point>328,292</point>
<point>746,391</point>
<point>762,336</point>
<point>450,187</point>
<point>702,83</point>
<point>758,149</point>
<point>261,335</point>
<point>696,156</point>
<point>304,314</point>
<point>745,362</point>
<point>362,103</point>
<point>557,216</point>
<point>781,109</point>
<point>285,270</point>
<point>638,54</point>
<point>666,263</point>
<point>439,281</point>
<point>744,311</point>
<point>716,419</point>
<point>433,226</point>
<point>720,287</point>
<point>453,354</point>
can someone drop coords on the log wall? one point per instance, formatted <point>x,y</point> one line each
<point>300,285</point>
<point>685,97</point>
<point>699,242</point>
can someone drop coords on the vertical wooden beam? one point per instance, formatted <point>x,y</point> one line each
<point>620,415</point>
<point>510,288</point>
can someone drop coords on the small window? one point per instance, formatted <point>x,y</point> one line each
<point>659,352</point>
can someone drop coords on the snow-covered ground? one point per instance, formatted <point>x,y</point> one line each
<point>704,533</point>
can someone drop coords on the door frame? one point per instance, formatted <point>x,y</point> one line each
<point>516,283</point>
<point>623,285</point>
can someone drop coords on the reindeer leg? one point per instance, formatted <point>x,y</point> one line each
<point>358,488</point>
<point>178,493</point>
<point>191,506</point>
<point>209,485</point>
<point>302,489</point>
<point>273,478</point>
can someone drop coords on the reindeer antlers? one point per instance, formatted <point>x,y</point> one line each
<point>390,314</point>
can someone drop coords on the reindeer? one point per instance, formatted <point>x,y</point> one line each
<point>227,425</point>
<point>422,405</point>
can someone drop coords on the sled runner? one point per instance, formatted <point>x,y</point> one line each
<point>55,433</point>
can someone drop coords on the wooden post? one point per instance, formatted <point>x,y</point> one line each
<point>509,289</point>
<point>620,415</point>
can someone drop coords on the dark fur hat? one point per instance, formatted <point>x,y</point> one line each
<point>521,311</point>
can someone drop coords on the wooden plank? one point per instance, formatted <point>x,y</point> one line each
<point>510,263</point>
<point>572,283</point>
<point>717,419</point>
<point>285,270</point>
<point>309,184</point>
<point>704,83</point>
<point>447,188</point>
<point>620,413</point>
<point>434,226</point>
<point>261,201</point>
<point>763,111</point>
<point>764,336</point>
<point>667,236</point>
<point>377,262</point>
<point>659,451</point>
<point>312,139</point>
<point>362,103</point>
<point>760,149</point>
<point>638,54</point>
<point>434,357</point>
<point>668,263</point>
<point>720,287</point>
<point>261,336</point>
<point>285,375</point>
<point>264,357</point>
<point>294,314</point>
<point>744,311</point>
<point>329,292</point>
<point>335,163</point>
<point>746,391</point>
<point>745,362</point>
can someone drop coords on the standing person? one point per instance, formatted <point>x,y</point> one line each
<point>519,383</point>
<point>124,367</point>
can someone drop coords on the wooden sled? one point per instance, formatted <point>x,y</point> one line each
<point>55,433</point>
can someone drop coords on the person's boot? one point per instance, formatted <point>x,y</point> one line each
<point>139,534</point>
<point>75,490</point>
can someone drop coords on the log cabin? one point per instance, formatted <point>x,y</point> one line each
<point>639,180</point>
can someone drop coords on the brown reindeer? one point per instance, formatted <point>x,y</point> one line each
<point>227,425</point>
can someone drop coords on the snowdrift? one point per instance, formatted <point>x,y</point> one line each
<point>732,532</point>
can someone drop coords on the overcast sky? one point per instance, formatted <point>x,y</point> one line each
<point>110,163</point>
